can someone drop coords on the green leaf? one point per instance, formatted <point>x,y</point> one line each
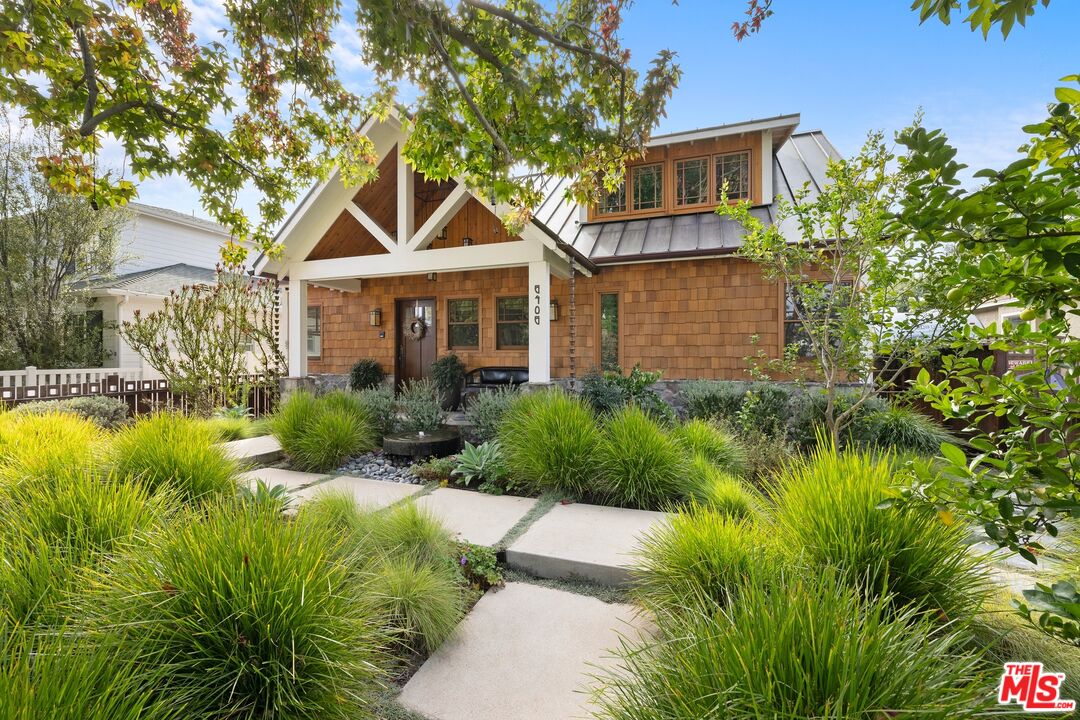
<point>1072,264</point>
<point>953,454</point>
<point>1068,95</point>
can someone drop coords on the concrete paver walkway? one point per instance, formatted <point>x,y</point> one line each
<point>592,542</point>
<point>371,494</point>
<point>293,480</point>
<point>256,450</point>
<point>475,517</point>
<point>523,653</point>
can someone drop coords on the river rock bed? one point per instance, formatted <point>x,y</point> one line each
<point>377,466</point>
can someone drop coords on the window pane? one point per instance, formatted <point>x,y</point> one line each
<point>614,202</point>
<point>314,331</point>
<point>648,182</point>
<point>733,175</point>
<point>692,181</point>
<point>609,331</point>
<point>512,334</point>
<point>513,309</point>
<point>465,335</point>
<point>795,333</point>
<point>464,311</point>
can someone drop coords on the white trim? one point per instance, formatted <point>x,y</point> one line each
<point>781,121</point>
<point>767,167</point>
<point>539,322</point>
<point>371,226</point>
<point>349,286</point>
<point>456,259</point>
<point>406,198</point>
<point>298,360</point>
<point>446,210</point>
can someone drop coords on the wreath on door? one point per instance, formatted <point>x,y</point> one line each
<point>417,329</point>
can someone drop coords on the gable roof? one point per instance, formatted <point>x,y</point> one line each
<point>799,162</point>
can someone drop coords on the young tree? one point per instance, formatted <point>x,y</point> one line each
<point>868,298</point>
<point>213,343</point>
<point>498,82</point>
<point>51,245</point>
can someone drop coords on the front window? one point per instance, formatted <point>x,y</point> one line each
<point>314,331</point>
<point>692,181</point>
<point>511,323</point>
<point>733,175</point>
<point>464,323</point>
<point>609,331</point>
<point>648,185</point>
<point>811,302</point>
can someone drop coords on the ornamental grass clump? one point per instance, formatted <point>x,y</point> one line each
<point>902,430</point>
<point>422,602</point>
<point>47,444</point>
<point>699,559</point>
<point>177,454</point>
<point>721,492</point>
<point>641,465</point>
<point>62,675</point>
<point>719,447</point>
<point>319,433</point>
<point>246,615</point>
<point>549,439</point>
<point>810,648</point>
<point>833,510</point>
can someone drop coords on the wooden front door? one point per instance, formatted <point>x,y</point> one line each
<point>415,338</point>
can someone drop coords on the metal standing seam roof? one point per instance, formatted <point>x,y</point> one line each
<point>800,162</point>
<point>158,281</point>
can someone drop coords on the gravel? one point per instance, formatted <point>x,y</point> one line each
<point>377,466</point>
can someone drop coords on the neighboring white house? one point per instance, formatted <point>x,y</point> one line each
<point>1006,311</point>
<point>159,250</point>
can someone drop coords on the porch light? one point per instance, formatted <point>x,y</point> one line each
<point>376,317</point>
<point>431,276</point>
<point>466,241</point>
<point>554,309</point>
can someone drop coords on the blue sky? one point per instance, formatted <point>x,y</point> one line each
<point>848,66</point>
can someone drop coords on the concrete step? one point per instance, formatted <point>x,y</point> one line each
<point>524,653</point>
<point>589,542</point>
<point>476,517</point>
<point>370,494</point>
<point>257,450</point>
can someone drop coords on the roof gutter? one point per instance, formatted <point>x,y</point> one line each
<point>565,247</point>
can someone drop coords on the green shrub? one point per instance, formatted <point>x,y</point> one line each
<point>713,399</point>
<point>765,455</point>
<point>46,445</point>
<point>716,445</point>
<point>602,393</point>
<point>640,464</point>
<point>106,412</point>
<point>228,428</point>
<point>423,603</point>
<point>830,508</point>
<point>63,676</point>
<point>486,410</point>
<point>701,557</point>
<point>608,392</point>
<point>903,430</point>
<point>448,374</point>
<point>421,407</point>
<point>721,491</point>
<point>808,649</point>
<point>319,433</point>
<point>436,469</point>
<point>176,453</point>
<point>366,373</point>
<point>483,464</point>
<point>381,407</point>
<point>766,409</point>
<point>247,616</point>
<point>808,416</point>
<point>550,440</point>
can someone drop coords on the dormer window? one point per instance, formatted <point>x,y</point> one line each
<point>733,175</point>
<point>692,181</point>
<point>614,202</point>
<point>648,186</point>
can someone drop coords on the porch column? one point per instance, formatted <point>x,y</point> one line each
<point>539,322</point>
<point>297,327</point>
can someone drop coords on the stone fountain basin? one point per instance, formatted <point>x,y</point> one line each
<point>444,441</point>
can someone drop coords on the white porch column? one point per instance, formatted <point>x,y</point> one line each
<point>297,327</point>
<point>539,322</point>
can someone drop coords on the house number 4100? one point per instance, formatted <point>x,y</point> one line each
<point>536,304</point>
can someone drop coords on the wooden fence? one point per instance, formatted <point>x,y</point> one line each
<point>143,391</point>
